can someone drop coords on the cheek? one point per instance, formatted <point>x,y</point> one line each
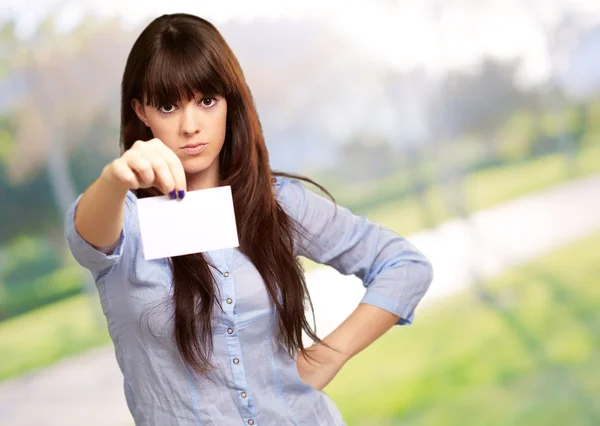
<point>222,127</point>
<point>164,130</point>
<point>222,123</point>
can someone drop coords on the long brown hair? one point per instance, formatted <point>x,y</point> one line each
<point>173,56</point>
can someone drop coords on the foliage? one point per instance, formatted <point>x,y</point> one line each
<point>528,358</point>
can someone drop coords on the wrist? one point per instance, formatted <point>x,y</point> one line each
<point>338,354</point>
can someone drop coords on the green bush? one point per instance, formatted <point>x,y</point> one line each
<point>59,284</point>
<point>27,258</point>
<point>526,355</point>
<point>33,276</point>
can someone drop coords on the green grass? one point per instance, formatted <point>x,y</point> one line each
<point>27,295</point>
<point>45,335</point>
<point>529,358</point>
<point>48,334</point>
<point>483,189</point>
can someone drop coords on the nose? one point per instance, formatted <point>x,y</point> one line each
<point>190,120</point>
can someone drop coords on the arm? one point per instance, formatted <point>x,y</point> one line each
<point>365,325</point>
<point>396,276</point>
<point>99,214</point>
<point>321,363</point>
<point>95,225</point>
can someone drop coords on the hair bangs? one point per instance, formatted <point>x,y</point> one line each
<point>174,73</point>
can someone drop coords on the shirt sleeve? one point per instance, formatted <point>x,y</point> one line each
<point>396,275</point>
<point>97,262</point>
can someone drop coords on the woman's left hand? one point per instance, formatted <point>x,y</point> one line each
<point>322,367</point>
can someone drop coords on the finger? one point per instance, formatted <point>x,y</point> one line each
<point>163,176</point>
<point>174,164</point>
<point>142,168</point>
<point>125,174</point>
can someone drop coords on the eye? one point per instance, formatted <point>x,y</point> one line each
<point>208,102</point>
<point>167,109</point>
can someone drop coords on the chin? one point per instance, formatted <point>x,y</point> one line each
<point>197,165</point>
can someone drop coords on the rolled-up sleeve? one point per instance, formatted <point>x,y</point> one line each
<point>396,275</point>
<point>97,262</point>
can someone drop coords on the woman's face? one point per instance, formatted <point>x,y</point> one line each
<point>194,130</point>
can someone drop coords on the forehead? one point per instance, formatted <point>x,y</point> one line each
<point>172,78</point>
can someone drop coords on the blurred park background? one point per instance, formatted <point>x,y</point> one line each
<point>416,114</point>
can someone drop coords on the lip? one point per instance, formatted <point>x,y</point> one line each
<point>194,148</point>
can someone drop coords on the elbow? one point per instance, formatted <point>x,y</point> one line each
<point>425,274</point>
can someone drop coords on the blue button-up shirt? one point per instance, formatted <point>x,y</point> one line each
<point>255,381</point>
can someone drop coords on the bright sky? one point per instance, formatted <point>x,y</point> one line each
<point>398,33</point>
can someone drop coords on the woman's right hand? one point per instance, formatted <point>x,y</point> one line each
<point>149,164</point>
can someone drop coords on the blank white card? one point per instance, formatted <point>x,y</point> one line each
<point>204,220</point>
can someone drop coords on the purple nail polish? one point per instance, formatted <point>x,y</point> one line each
<point>181,194</point>
<point>172,194</point>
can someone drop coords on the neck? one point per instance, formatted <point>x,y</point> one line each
<point>205,179</point>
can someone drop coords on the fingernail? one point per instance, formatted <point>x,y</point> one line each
<point>172,194</point>
<point>181,193</point>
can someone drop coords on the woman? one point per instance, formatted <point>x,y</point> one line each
<point>213,338</point>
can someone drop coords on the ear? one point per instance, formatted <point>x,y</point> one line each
<point>139,111</point>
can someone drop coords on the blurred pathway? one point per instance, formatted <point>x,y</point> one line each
<point>87,390</point>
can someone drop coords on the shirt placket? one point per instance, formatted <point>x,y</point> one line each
<point>224,260</point>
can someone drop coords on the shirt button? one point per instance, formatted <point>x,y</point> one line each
<point>250,422</point>
<point>236,361</point>
<point>244,395</point>
<point>274,180</point>
<point>230,330</point>
<point>226,274</point>
<point>229,301</point>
